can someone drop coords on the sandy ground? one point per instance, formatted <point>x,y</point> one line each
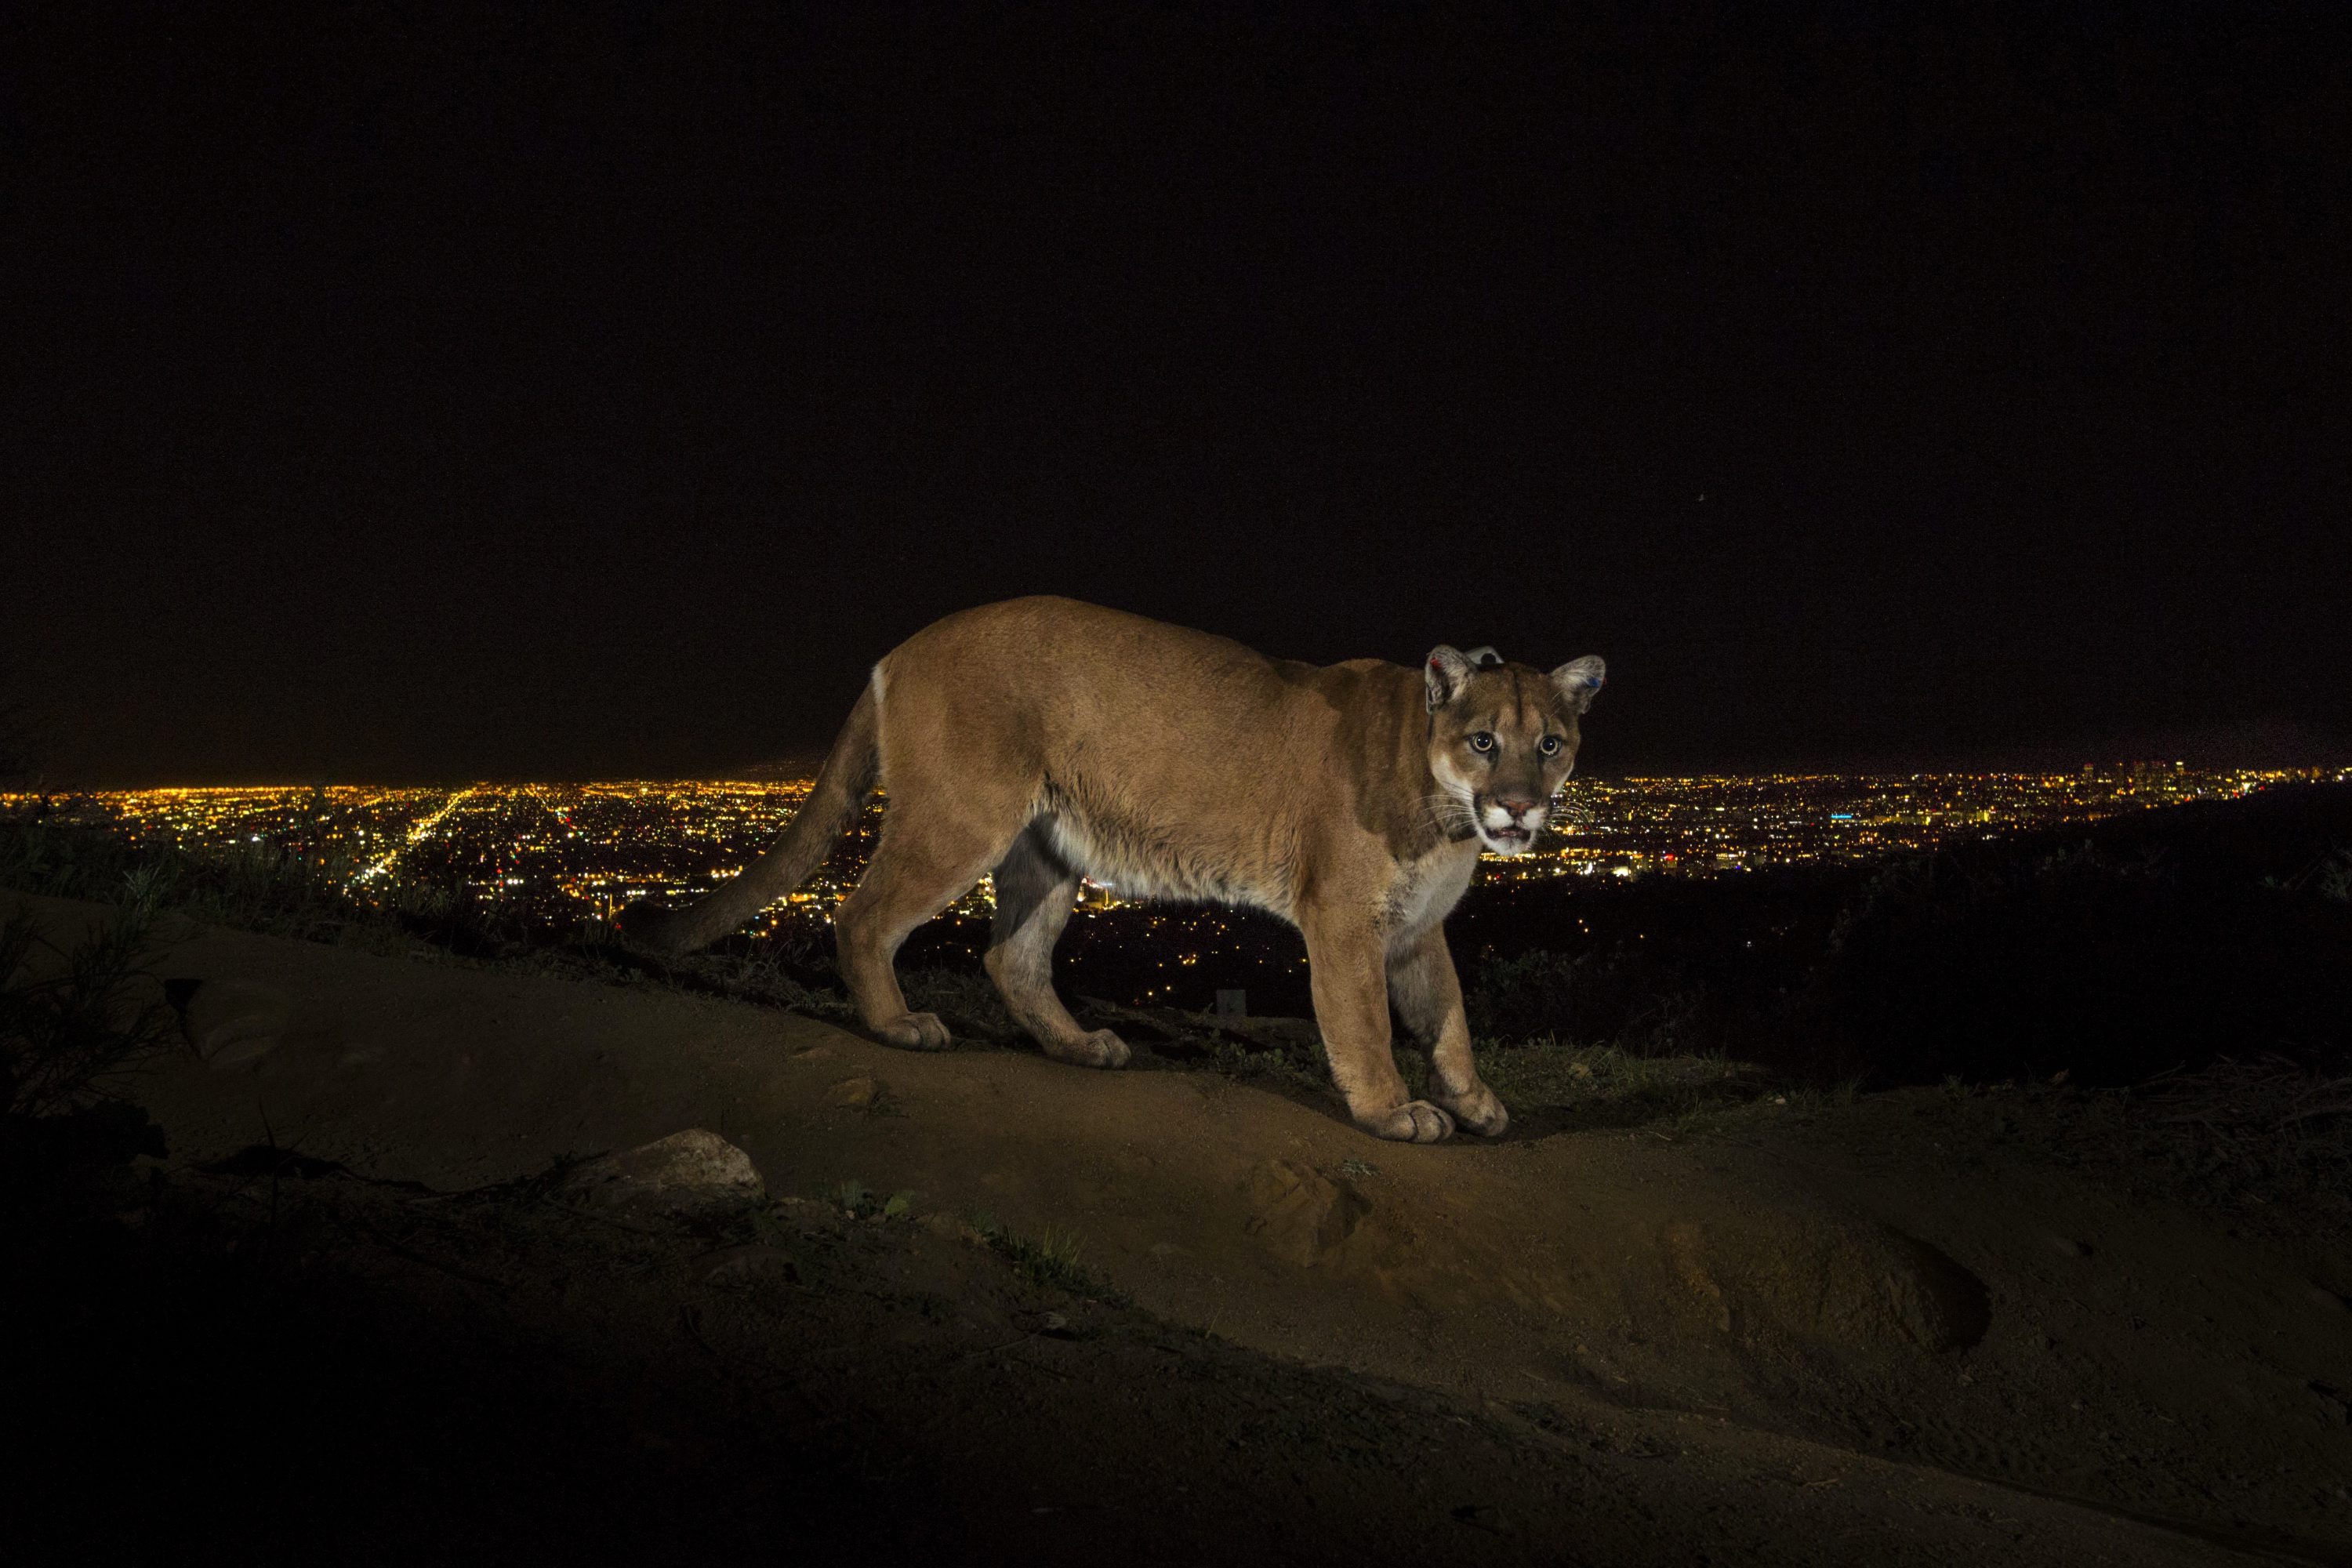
<point>1871,1333</point>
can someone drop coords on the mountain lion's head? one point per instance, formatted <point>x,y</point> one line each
<point>1502,740</point>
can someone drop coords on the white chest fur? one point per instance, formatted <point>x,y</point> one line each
<point>1425,889</point>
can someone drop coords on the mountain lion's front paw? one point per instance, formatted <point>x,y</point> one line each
<point>1415,1122</point>
<point>1477,1111</point>
<point>914,1031</point>
<point>1101,1048</point>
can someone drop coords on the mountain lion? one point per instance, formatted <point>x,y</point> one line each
<point>1044,740</point>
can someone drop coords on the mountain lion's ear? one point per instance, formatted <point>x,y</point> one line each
<point>1446,669</point>
<point>1579,680</point>
<point>1483,658</point>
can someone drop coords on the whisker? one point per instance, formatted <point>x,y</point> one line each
<point>1447,811</point>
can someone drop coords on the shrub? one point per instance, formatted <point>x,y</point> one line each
<point>1521,997</point>
<point>72,1018</point>
<point>2114,951</point>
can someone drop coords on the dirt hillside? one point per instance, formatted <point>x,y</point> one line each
<point>1882,1331</point>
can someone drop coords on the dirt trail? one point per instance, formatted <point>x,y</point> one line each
<point>1857,1286</point>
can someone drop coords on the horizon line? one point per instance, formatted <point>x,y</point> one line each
<point>2071,770</point>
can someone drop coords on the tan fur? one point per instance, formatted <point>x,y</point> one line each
<point>1042,739</point>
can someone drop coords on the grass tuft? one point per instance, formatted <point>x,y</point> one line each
<point>1049,1260</point>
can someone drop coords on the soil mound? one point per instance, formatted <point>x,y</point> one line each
<point>1812,1288</point>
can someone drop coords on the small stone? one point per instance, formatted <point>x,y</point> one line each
<point>689,1171</point>
<point>2067,1246</point>
<point>233,1023</point>
<point>855,1092</point>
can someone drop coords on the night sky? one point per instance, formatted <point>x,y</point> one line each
<point>408,396</point>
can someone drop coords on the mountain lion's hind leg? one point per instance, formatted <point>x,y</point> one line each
<point>925,862</point>
<point>1428,996</point>
<point>1351,1008</point>
<point>1033,893</point>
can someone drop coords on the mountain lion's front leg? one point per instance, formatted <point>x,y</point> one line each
<point>1429,999</point>
<point>1344,965</point>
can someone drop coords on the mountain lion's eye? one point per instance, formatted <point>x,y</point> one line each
<point>1549,744</point>
<point>1482,741</point>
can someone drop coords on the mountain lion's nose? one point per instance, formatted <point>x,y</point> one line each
<point>1517,808</point>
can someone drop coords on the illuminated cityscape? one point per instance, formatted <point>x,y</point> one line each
<point>1717,824</point>
<point>575,852</point>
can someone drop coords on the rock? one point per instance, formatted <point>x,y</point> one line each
<point>858,1093</point>
<point>1301,1215</point>
<point>692,1172</point>
<point>2067,1246</point>
<point>1858,1287</point>
<point>231,1023</point>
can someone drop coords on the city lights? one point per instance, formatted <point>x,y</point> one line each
<point>582,851</point>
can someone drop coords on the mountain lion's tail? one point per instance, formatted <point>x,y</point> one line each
<point>842,784</point>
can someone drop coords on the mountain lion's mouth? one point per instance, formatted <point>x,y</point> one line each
<point>1513,836</point>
